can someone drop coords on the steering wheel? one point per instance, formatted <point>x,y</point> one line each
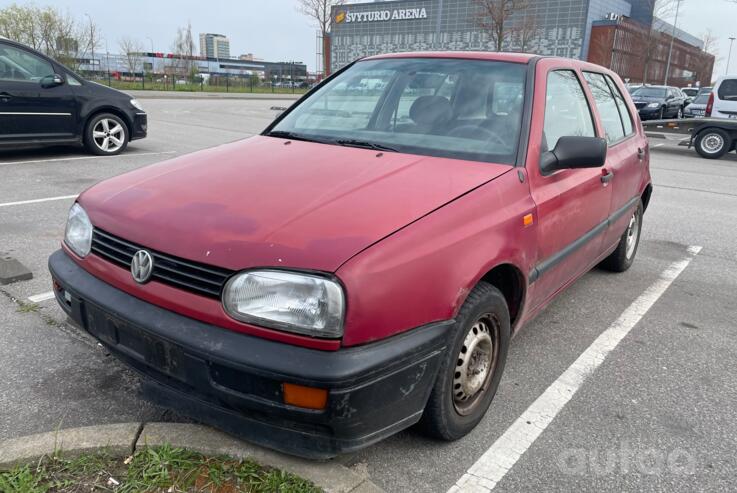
<point>473,131</point>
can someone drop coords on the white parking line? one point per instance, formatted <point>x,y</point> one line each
<point>494,464</point>
<point>82,158</point>
<point>36,201</point>
<point>658,145</point>
<point>38,298</point>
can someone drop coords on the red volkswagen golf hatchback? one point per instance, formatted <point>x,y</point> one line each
<point>362,264</point>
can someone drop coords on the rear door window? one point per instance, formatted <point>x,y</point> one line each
<point>624,111</point>
<point>608,111</point>
<point>567,112</point>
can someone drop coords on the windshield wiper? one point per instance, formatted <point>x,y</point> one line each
<point>283,134</point>
<point>365,145</point>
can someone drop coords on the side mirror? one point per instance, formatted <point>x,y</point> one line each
<point>52,81</point>
<point>573,152</point>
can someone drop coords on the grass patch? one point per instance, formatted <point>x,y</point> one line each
<point>236,86</point>
<point>151,469</point>
<point>24,307</point>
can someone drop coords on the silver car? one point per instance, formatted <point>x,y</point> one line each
<point>697,108</point>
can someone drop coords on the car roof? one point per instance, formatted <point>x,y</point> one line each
<point>470,55</point>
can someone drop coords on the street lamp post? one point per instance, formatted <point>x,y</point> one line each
<point>672,37</point>
<point>152,64</point>
<point>731,40</point>
<point>92,44</point>
<point>107,62</point>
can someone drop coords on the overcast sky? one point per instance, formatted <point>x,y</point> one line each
<point>275,31</point>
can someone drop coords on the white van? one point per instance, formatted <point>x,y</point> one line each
<point>723,98</point>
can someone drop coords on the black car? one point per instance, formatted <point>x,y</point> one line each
<point>659,102</point>
<point>44,103</point>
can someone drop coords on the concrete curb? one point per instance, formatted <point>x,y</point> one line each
<point>211,95</point>
<point>123,439</point>
<point>118,439</point>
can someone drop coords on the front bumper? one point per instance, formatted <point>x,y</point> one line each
<point>649,113</point>
<point>234,381</point>
<point>140,126</point>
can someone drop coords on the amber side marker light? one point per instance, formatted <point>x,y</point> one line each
<point>528,220</point>
<point>306,397</point>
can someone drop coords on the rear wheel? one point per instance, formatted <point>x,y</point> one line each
<point>106,135</point>
<point>472,366</point>
<point>622,258</point>
<point>661,113</point>
<point>713,143</point>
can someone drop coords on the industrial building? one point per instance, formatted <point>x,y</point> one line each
<point>546,27</point>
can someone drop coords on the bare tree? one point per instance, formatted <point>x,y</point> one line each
<point>705,64</point>
<point>183,49</point>
<point>651,37</point>
<point>320,12</point>
<point>132,50</point>
<point>91,35</point>
<point>525,30</point>
<point>495,16</point>
<point>49,30</point>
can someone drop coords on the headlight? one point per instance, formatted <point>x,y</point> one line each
<point>78,235</point>
<point>653,105</point>
<point>137,105</point>
<point>291,301</point>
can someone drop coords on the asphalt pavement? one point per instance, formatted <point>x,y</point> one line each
<point>654,413</point>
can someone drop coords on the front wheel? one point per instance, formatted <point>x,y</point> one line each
<point>106,135</point>
<point>472,366</point>
<point>622,258</point>
<point>679,114</point>
<point>713,143</point>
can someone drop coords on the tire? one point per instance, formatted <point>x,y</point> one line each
<point>483,324</point>
<point>622,258</point>
<point>661,114</point>
<point>679,113</point>
<point>106,135</point>
<point>713,143</point>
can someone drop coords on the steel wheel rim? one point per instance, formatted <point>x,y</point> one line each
<point>108,135</point>
<point>475,364</point>
<point>712,143</point>
<point>633,232</point>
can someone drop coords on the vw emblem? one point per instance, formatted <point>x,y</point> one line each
<point>142,266</point>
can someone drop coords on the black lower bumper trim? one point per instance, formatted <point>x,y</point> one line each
<point>234,381</point>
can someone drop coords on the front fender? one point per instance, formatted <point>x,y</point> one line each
<point>423,272</point>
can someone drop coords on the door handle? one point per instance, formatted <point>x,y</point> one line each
<point>606,176</point>
<point>640,153</point>
<point>5,97</point>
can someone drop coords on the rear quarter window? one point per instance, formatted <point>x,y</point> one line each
<point>728,90</point>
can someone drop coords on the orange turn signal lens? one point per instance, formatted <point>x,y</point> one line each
<point>306,397</point>
<point>527,220</point>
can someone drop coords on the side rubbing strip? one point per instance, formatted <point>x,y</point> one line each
<point>571,248</point>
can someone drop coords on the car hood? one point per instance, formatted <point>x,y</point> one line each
<point>103,90</point>
<point>266,201</point>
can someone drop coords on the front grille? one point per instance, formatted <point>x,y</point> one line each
<point>640,105</point>
<point>190,276</point>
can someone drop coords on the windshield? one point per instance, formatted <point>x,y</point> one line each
<point>650,92</point>
<point>464,109</point>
